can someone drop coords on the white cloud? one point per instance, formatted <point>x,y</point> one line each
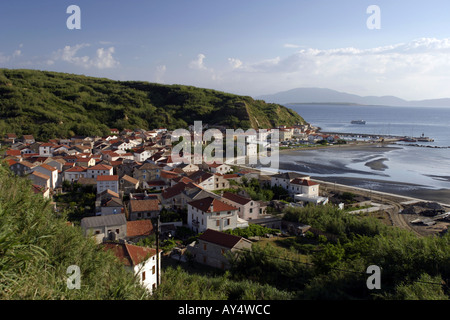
<point>395,69</point>
<point>160,72</point>
<point>198,63</point>
<point>235,63</point>
<point>291,45</point>
<point>103,58</point>
<point>8,58</point>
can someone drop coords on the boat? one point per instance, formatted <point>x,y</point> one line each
<point>358,122</point>
<point>424,139</point>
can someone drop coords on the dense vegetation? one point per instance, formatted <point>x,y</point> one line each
<point>37,246</point>
<point>54,105</point>
<point>36,249</point>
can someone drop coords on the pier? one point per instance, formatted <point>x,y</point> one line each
<point>378,137</point>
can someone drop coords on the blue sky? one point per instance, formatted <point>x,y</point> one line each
<point>250,47</point>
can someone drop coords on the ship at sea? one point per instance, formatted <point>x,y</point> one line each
<point>358,122</point>
<point>425,139</point>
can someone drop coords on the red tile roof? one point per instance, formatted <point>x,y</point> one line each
<point>304,182</point>
<point>144,205</point>
<point>108,178</point>
<point>210,204</point>
<point>174,190</point>
<point>13,152</point>
<point>40,175</point>
<point>77,169</point>
<point>139,228</point>
<point>128,254</point>
<point>220,238</point>
<point>236,198</point>
<point>100,167</point>
<point>47,167</point>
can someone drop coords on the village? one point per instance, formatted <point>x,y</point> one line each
<point>135,184</point>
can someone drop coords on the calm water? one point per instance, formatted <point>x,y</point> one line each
<point>403,121</point>
<point>429,167</point>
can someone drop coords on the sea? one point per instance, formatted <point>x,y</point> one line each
<point>425,164</point>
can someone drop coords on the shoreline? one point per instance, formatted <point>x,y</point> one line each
<point>376,183</point>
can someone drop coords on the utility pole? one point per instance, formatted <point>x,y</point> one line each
<point>157,251</point>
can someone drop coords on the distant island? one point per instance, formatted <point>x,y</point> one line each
<point>328,96</point>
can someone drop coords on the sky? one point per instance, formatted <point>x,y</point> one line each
<point>247,47</point>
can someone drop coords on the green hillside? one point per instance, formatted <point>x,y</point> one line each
<point>49,105</point>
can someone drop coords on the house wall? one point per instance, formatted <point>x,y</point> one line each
<point>142,215</point>
<point>110,210</point>
<point>95,173</point>
<point>105,185</point>
<point>248,211</point>
<point>74,176</point>
<point>146,273</point>
<point>119,230</point>
<point>52,174</point>
<point>40,181</point>
<point>199,221</point>
<point>215,255</point>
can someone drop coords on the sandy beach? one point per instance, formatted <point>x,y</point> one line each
<point>371,156</point>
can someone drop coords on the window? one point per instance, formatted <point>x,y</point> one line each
<point>204,246</point>
<point>143,276</point>
<point>153,270</point>
<point>218,223</point>
<point>117,231</point>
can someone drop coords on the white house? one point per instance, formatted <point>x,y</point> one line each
<point>304,186</point>
<point>40,179</point>
<point>248,209</point>
<point>46,149</point>
<point>75,173</point>
<point>48,171</point>
<point>142,261</point>
<point>284,179</point>
<point>219,168</point>
<point>211,213</point>
<point>108,182</point>
<point>142,154</point>
<point>99,170</point>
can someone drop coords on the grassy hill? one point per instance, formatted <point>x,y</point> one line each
<point>49,105</point>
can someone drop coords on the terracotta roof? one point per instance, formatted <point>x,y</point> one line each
<point>13,152</point>
<point>156,183</point>
<point>148,166</point>
<point>289,175</point>
<point>130,255</point>
<point>130,179</point>
<point>40,175</point>
<point>47,144</point>
<point>210,204</point>
<point>200,176</point>
<point>174,190</point>
<point>231,176</point>
<point>139,228</point>
<point>169,174</point>
<point>220,238</point>
<point>304,182</point>
<point>77,169</point>
<point>236,198</point>
<point>47,167</point>
<point>144,205</point>
<point>26,164</point>
<point>38,189</point>
<point>108,178</point>
<point>100,167</point>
